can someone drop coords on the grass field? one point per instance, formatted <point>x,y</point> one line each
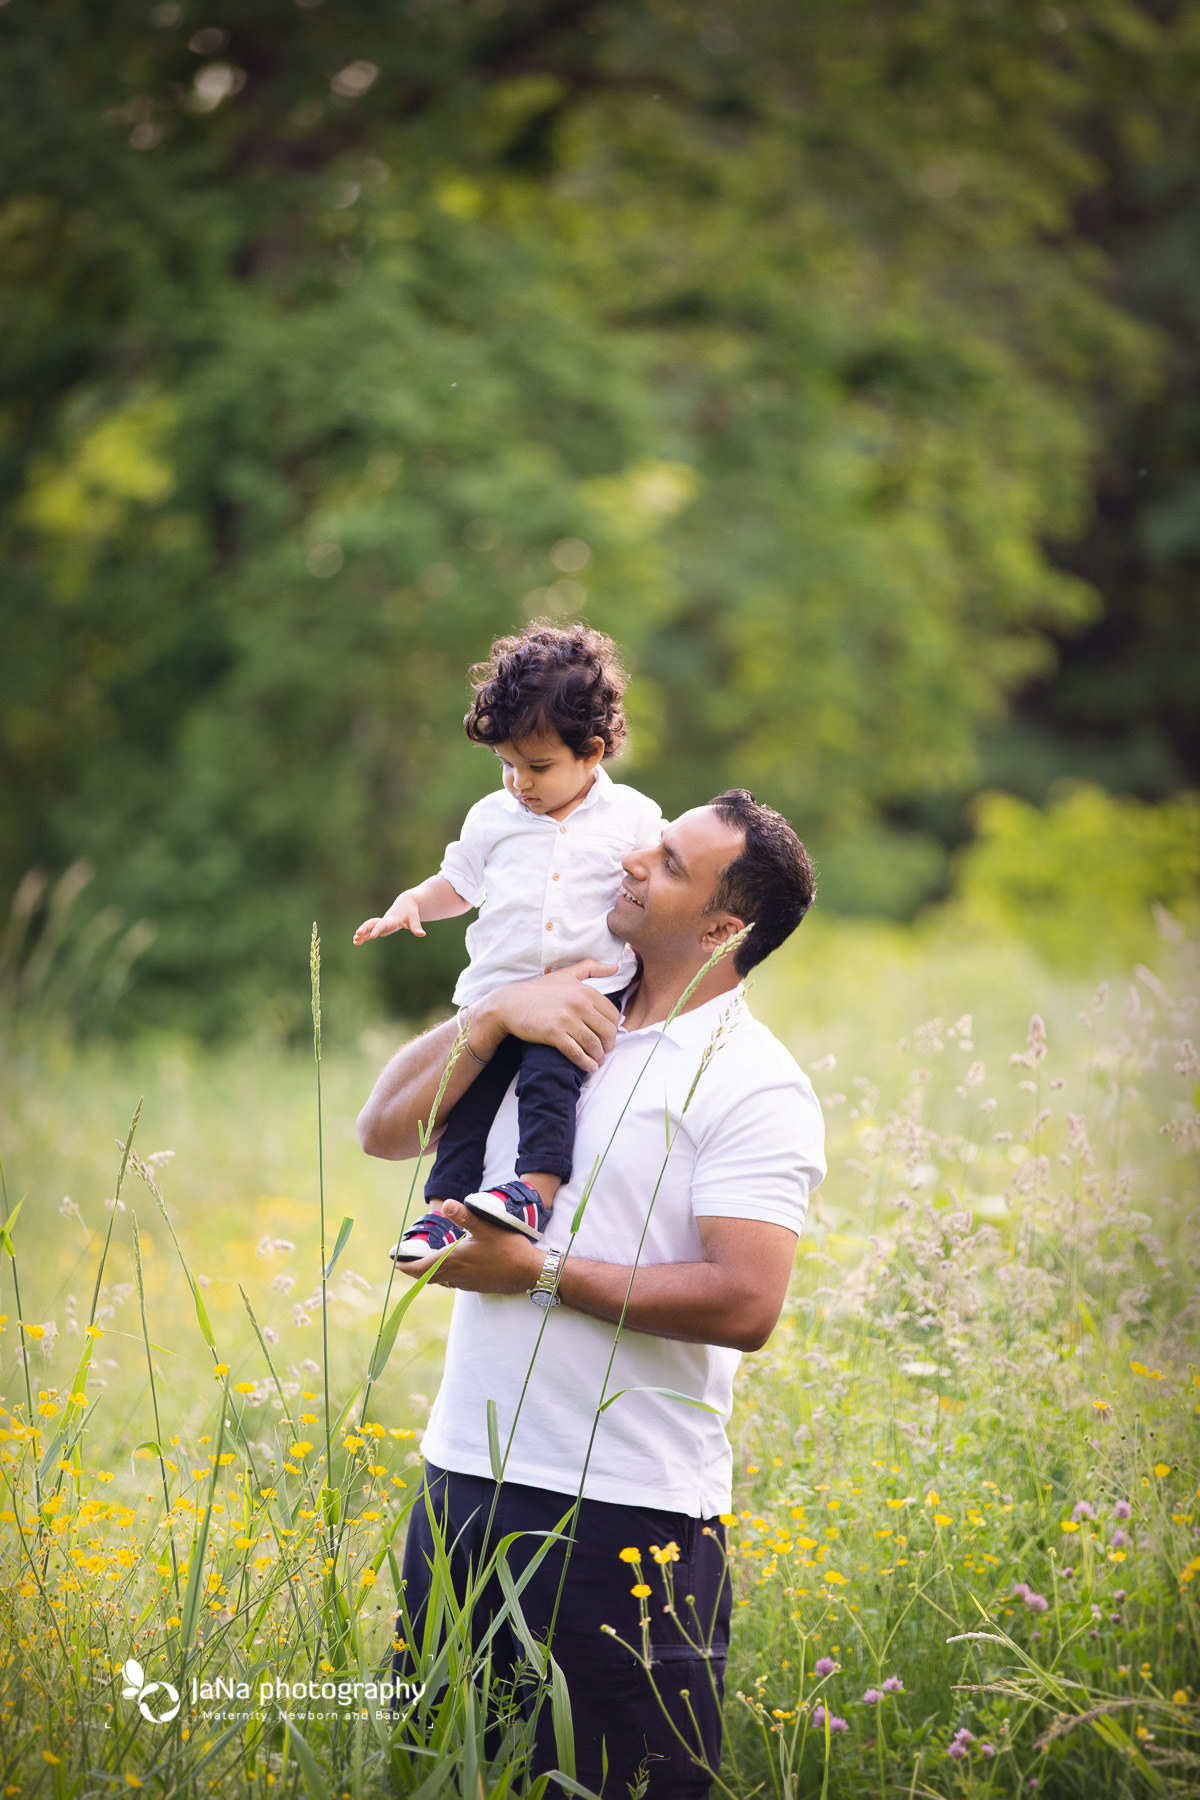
<point>966,1525</point>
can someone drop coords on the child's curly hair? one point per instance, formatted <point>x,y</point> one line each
<point>563,678</point>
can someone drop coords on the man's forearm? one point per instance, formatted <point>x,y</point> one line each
<point>402,1098</point>
<point>697,1303</point>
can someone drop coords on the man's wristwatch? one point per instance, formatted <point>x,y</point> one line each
<point>542,1292</point>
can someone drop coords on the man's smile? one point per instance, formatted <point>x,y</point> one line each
<point>632,898</point>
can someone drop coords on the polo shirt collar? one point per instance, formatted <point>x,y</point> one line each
<point>695,1028</point>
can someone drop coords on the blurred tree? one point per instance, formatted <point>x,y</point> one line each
<point>1122,709</point>
<point>340,338</point>
<point>1082,879</point>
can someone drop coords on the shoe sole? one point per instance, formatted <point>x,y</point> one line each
<point>486,1206</point>
<point>400,1254</point>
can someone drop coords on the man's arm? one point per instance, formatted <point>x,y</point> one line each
<point>733,1298</point>
<point>553,1009</point>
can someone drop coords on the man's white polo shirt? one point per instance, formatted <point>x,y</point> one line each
<point>746,1142</point>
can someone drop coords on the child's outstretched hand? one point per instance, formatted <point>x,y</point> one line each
<point>403,914</point>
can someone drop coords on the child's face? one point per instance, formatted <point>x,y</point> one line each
<point>544,774</point>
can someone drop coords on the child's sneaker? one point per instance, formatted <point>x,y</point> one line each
<point>428,1237</point>
<point>515,1206</point>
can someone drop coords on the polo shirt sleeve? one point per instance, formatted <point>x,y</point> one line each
<point>465,861</point>
<point>763,1157</point>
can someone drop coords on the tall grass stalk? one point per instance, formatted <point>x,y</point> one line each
<point>314,968</point>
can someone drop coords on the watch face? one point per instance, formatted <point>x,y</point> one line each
<point>541,1298</point>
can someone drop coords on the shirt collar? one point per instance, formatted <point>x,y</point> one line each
<point>602,784</point>
<point>696,1027</point>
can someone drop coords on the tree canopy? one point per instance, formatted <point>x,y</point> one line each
<point>814,352</point>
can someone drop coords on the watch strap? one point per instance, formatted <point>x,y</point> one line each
<point>548,1279</point>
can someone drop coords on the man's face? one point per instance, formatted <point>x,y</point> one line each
<point>661,907</point>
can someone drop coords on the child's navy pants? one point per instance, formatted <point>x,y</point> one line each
<point>548,1085</point>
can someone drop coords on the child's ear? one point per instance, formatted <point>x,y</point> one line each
<point>592,751</point>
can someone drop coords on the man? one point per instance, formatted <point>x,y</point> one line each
<point>700,1140</point>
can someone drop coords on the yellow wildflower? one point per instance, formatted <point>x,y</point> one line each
<point>1162,1470</point>
<point>640,1591</point>
<point>1179,1697</point>
<point>942,1519</point>
<point>220,1369</point>
<point>727,1518</point>
<point>300,1449</point>
<point>1069,1525</point>
<point>631,1555</point>
<point>367,1578</point>
<point>832,1576</point>
<point>308,1418</point>
<point>243,1387</point>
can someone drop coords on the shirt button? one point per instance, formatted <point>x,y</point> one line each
<point>546,970</point>
<point>563,829</point>
<point>549,924</point>
<point>556,876</point>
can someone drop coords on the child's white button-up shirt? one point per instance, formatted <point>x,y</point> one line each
<point>544,887</point>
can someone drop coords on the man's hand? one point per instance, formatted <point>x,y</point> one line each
<point>490,1261</point>
<point>556,1009</point>
<point>550,1009</point>
<point>404,914</point>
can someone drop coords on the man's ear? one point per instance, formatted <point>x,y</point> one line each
<point>723,927</point>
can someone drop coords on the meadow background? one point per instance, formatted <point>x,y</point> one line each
<point>841,362</point>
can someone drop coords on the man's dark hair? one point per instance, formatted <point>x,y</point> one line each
<point>770,885</point>
<point>563,678</point>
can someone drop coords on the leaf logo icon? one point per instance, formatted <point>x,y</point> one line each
<point>139,1689</point>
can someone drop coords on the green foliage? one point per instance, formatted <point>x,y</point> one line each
<point>341,338</point>
<point>1079,880</point>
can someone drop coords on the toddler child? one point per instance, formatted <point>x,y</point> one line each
<point>541,860</point>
